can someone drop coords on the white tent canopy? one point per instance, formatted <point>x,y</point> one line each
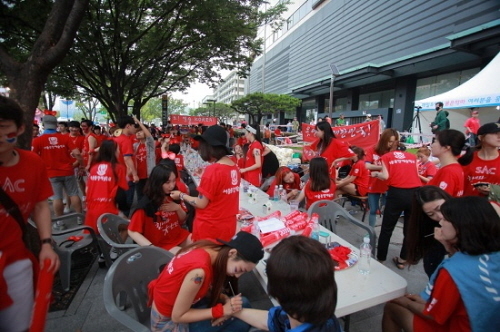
<point>483,90</point>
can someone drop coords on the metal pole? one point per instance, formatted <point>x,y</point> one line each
<point>330,103</point>
<point>67,112</point>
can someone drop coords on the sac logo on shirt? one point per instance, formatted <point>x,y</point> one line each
<point>486,170</point>
<point>53,140</point>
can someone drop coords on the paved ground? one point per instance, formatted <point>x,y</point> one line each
<point>87,312</point>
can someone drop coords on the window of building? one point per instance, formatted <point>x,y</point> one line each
<point>434,85</point>
<point>381,99</point>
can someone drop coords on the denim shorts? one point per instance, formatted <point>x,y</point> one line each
<point>160,323</point>
<point>67,182</point>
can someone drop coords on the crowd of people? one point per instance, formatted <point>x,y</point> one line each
<point>138,172</point>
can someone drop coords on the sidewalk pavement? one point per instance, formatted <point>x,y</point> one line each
<point>87,313</point>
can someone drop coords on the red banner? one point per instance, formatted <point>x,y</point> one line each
<point>192,120</point>
<point>364,135</point>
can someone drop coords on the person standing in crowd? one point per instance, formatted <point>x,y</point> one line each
<point>356,182</point>
<point>340,121</point>
<point>425,217</point>
<point>426,168</point>
<point>441,121</point>
<point>90,143</point>
<point>289,126</point>
<point>267,134</point>
<point>99,135</point>
<point>106,177</point>
<point>55,150</point>
<point>62,128</point>
<point>328,119</point>
<point>76,138</point>
<point>158,219</point>
<point>218,200</point>
<point>320,185</point>
<point>462,294</point>
<point>238,157</point>
<point>24,192</point>
<point>482,168</point>
<point>302,307</point>
<point>330,148</point>
<point>295,125</point>
<point>288,179</point>
<point>36,130</point>
<point>145,156</point>
<point>399,168</point>
<point>254,160</point>
<point>447,147</point>
<point>196,275</point>
<point>368,117</point>
<point>126,158</point>
<point>472,125</point>
<point>377,187</point>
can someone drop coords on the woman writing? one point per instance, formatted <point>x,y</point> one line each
<point>218,200</point>
<point>377,187</point>
<point>288,179</point>
<point>158,218</point>
<point>330,148</point>
<point>253,163</point>
<point>426,214</point>
<point>319,186</point>
<point>462,294</point>
<point>356,183</point>
<point>197,271</point>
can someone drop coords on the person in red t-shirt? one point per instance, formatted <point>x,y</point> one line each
<point>330,148</point>
<point>105,179</point>
<point>482,170</point>
<point>377,187</point>
<point>253,163</point>
<point>399,168</point>
<point>472,125</point>
<point>447,147</point>
<point>195,272</point>
<point>426,168</point>
<point>179,158</point>
<point>320,186</point>
<point>25,181</point>
<point>218,200</point>
<point>158,218</point>
<point>289,180</point>
<point>356,183</point>
<point>89,144</point>
<point>55,150</point>
<point>76,138</point>
<point>238,157</point>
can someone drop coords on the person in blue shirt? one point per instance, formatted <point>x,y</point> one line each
<point>295,264</point>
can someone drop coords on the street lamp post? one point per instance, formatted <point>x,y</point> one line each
<point>335,73</point>
<point>207,102</point>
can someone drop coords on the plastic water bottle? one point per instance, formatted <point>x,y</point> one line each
<point>283,193</point>
<point>276,195</point>
<point>256,229</point>
<point>365,254</point>
<point>315,227</point>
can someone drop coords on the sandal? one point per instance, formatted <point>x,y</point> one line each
<point>400,265</point>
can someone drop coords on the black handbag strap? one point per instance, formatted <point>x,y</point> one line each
<point>12,209</point>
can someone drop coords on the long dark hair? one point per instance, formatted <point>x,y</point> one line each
<point>319,175</point>
<point>420,224</point>
<point>211,153</point>
<point>107,153</point>
<point>153,188</point>
<point>382,147</point>
<point>328,135</point>
<point>456,141</point>
<point>257,134</point>
<point>476,222</point>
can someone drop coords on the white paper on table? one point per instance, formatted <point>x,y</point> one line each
<point>271,225</point>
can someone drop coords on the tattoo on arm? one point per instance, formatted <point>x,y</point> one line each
<point>197,279</point>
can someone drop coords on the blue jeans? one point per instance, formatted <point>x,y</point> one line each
<point>230,325</point>
<point>374,203</point>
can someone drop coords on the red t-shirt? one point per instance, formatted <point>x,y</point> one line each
<point>26,183</point>
<point>181,186</point>
<point>473,124</point>
<point>141,164</point>
<point>288,186</point>
<point>102,185</point>
<point>362,176</point>
<point>277,132</point>
<point>165,289</point>
<point>220,184</point>
<point>481,171</point>
<point>402,167</point>
<point>446,307</point>
<point>86,148</point>
<point>254,176</point>
<point>165,233</point>
<point>76,142</point>
<point>126,148</point>
<point>450,178</point>
<point>314,196</point>
<point>335,150</point>
<point>55,151</point>
<point>375,185</point>
<point>179,162</point>
<point>242,141</point>
<point>427,170</point>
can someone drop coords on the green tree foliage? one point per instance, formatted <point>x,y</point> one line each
<point>34,38</point>
<point>152,109</point>
<point>223,112</point>
<point>129,51</point>
<point>87,106</point>
<point>257,105</point>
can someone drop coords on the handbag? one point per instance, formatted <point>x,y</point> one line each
<point>13,209</point>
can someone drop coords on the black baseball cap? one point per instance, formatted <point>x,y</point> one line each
<point>215,136</point>
<point>248,246</point>
<point>489,128</point>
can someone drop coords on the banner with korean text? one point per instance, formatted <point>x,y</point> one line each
<point>364,135</point>
<point>192,120</point>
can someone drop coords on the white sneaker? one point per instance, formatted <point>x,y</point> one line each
<point>113,254</point>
